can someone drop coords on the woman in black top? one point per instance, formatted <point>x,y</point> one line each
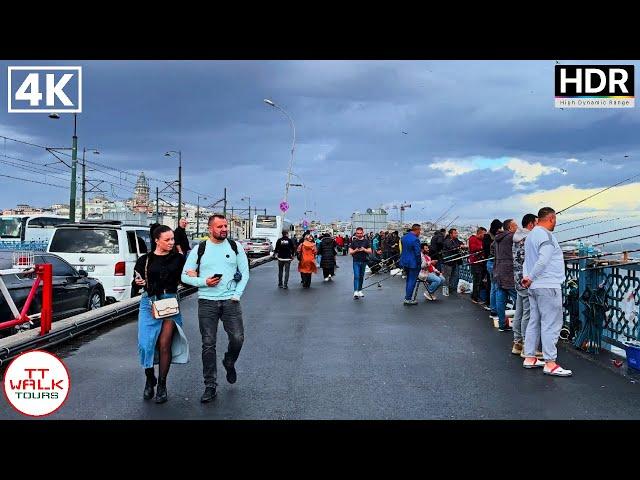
<point>159,273</point>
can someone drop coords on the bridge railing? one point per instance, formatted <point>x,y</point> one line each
<point>622,293</point>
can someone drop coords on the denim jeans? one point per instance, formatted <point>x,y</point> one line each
<point>209,313</point>
<point>358,275</point>
<point>433,283</point>
<point>501,302</point>
<point>283,266</point>
<point>494,286</point>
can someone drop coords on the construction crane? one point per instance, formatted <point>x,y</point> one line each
<point>402,208</point>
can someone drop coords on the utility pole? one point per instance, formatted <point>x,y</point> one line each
<point>224,208</point>
<point>157,205</point>
<point>74,167</point>
<point>84,184</point>
<point>179,186</point>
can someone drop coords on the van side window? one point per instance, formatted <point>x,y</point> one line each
<point>146,238</point>
<point>36,223</point>
<point>53,222</point>
<point>132,241</point>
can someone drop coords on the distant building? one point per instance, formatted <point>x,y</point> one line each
<point>141,195</point>
<point>374,220</point>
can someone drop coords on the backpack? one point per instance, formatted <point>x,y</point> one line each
<point>234,246</point>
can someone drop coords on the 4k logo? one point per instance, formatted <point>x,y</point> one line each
<point>44,89</point>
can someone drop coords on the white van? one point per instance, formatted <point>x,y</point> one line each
<point>105,249</point>
<point>28,228</point>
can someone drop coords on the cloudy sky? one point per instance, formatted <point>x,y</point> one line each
<point>481,135</point>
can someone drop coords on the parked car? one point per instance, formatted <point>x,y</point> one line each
<point>105,249</point>
<point>257,247</point>
<point>73,291</point>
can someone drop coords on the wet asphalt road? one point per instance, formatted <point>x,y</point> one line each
<point>319,354</point>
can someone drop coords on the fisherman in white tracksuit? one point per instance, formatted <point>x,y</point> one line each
<point>543,275</point>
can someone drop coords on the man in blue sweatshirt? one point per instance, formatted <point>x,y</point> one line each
<point>219,292</point>
<point>543,275</point>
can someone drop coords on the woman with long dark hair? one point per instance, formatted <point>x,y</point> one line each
<point>160,341</point>
<point>307,264</point>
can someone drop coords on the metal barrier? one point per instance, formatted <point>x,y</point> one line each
<point>622,287</point>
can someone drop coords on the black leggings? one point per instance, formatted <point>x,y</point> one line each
<point>306,280</point>
<point>164,345</point>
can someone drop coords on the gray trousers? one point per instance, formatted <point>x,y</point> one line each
<point>521,318</point>
<point>545,322</point>
<point>210,312</point>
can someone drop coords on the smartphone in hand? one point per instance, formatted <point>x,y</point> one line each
<point>217,275</point>
<point>137,274</point>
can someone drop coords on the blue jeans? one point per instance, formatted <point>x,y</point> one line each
<point>492,294</point>
<point>358,275</point>
<point>501,302</point>
<point>412,278</point>
<point>434,281</point>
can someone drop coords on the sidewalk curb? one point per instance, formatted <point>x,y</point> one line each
<point>604,359</point>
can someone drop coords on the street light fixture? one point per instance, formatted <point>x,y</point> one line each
<point>293,148</point>
<point>74,166</point>
<point>249,226</point>
<point>168,154</point>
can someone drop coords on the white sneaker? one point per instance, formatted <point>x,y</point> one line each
<point>360,293</point>
<point>356,295</point>
<point>326,279</point>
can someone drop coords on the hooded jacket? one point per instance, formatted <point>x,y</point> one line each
<point>327,252</point>
<point>503,268</point>
<point>518,255</point>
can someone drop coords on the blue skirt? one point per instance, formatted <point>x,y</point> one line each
<point>149,331</point>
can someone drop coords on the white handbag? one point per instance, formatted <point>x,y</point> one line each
<point>164,308</point>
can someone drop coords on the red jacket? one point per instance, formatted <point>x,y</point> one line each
<point>475,246</point>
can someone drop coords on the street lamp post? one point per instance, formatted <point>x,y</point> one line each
<point>168,154</point>
<point>74,166</point>
<point>293,148</point>
<point>249,226</point>
<point>84,179</point>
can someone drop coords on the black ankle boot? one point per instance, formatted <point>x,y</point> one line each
<point>151,382</point>
<point>161,393</point>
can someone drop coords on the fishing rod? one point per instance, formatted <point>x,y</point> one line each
<point>598,255</point>
<point>461,246</point>
<point>579,220</point>
<point>443,214</point>
<point>614,241</point>
<point>451,222</point>
<point>485,260</point>
<point>601,233</point>
<point>597,193</point>
<point>596,223</point>
<point>454,257</point>
<point>635,262</point>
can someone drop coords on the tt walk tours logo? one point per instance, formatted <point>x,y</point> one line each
<point>595,86</point>
<point>36,383</point>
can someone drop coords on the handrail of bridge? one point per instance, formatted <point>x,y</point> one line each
<point>71,327</point>
<point>621,284</point>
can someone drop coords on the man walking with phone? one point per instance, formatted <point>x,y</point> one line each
<point>221,271</point>
<point>359,249</point>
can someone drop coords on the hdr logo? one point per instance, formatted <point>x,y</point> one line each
<point>44,89</point>
<point>594,86</point>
